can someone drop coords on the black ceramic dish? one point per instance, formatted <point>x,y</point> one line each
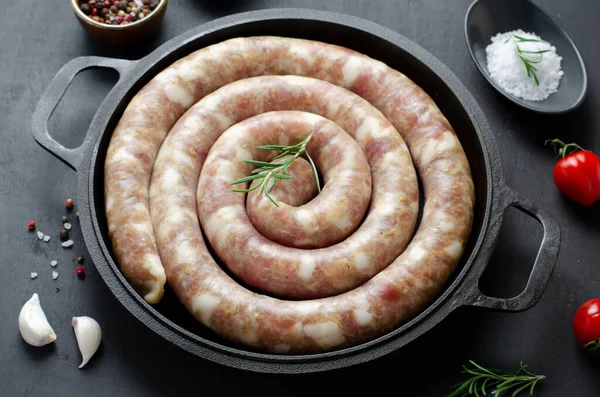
<point>486,18</point>
<point>168,318</point>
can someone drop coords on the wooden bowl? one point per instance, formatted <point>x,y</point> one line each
<point>120,34</point>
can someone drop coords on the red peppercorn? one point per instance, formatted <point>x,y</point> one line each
<point>128,18</point>
<point>69,202</point>
<point>119,19</point>
<point>31,225</point>
<point>116,2</point>
<point>107,4</point>
<point>80,271</point>
<point>94,11</point>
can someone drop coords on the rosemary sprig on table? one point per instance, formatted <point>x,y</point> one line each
<point>529,58</point>
<point>500,381</point>
<point>275,171</point>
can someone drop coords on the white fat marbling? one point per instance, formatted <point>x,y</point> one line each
<point>343,223</point>
<point>448,142</point>
<point>367,128</point>
<point>361,313</point>
<point>417,253</point>
<point>177,93</point>
<point>123,156</point>
<point>220,220</point>
<point>362,261</point>
<point>226,172</point>
<point>351,69</point>
<point>153,264</point>
<point>306,307</point>
<point>185,253</point>
<point>171,179</point>
<point>242,155</point>
<point>327,334</point>
<point>307,266</point>
<point>301,52</point>
<point>305,219</point>
<point>204,305</point>
<point>455,249</point>
<point>143,228</point>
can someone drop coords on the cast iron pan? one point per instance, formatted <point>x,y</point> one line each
<point>169,319</point>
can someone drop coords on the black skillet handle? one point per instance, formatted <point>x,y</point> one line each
<point>52,96</point>
<point>542,267</point>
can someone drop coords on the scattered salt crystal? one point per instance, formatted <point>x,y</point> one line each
<point>54,275</point>
<point>33,275</point>
<point>67,226</point>
<point>46,238</point>
<point>53,263</point>
<point>67,244</point>
<point>508,70</point>
<point>40,235</point>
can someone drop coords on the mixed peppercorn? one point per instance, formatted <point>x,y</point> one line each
<point>64,237</point>
<point>117,12</point>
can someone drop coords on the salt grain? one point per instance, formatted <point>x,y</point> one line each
<point>67,244</point>
<point>53,263</point>
<point>54,275</point>
<point>33,275</point>
<point>46,238</point>
<point>40,235</point>
<point>67,226</point>
<point>508,71</point>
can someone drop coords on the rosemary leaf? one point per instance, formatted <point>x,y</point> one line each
<point>246,179</point>
<point>263,164</point>
<point>281,176</point>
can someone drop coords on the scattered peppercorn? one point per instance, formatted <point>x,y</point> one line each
<point>114,9</point>
<point>80,260</point>
<point>80,271</point>
<point>105,12</point>
<point>85,8</point>
<point>64,234</point>
<point>65,219</point>
<point>69,203</point>
<point>57,289</point>
<point>31,225</point>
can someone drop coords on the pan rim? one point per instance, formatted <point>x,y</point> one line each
<point>264,362</point>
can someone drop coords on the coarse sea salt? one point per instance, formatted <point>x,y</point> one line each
<point>508,71</point>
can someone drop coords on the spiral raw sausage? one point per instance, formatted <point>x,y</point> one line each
<point>171,226</point>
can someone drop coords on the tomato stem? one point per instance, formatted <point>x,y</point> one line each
<point>593,346</point>
<point>562,149</point>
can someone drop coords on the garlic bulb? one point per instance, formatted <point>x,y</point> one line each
<point>33,324</point>
<point>88,334</point>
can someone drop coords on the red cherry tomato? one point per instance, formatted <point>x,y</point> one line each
<point>577,174</point>
<point>586,324</point>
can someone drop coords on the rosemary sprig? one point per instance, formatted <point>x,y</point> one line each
<point>529,58</point>
<point>500,381</point>
<point>275,171</point>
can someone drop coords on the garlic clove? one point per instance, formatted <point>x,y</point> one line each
<point>33,324</point>
<point>88,335</point>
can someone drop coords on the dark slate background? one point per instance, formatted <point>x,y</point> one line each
<point>38,37</point>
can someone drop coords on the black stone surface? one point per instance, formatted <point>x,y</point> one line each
<point>39,37</point>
